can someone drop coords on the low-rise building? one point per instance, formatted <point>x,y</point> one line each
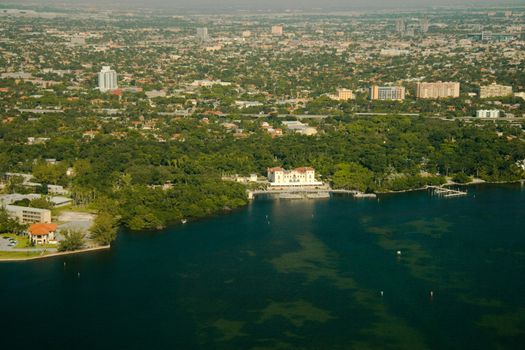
<point>27,215</point>
<point>42,233</point>
<point>304,176</point>
<point>488,113</point>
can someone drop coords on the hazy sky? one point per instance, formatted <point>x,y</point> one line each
<point>276,4</point>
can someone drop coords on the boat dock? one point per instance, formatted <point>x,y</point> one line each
<point>446,192</point>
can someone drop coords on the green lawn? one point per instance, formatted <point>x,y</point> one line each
<point>13,255</point>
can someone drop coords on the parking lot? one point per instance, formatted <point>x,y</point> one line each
<point>5,243</point>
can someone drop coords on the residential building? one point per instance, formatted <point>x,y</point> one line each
<point>26,215</point>
<point>300,128</point>
<point>488,113</point>
<point>495,90</point>
<point>202,34</point>
<point>387,92</point>
<point>393,52</point>
<point>343,95</point>
<point>277,30</point>
<point>42,233</point>
<point>437,90</point>
<point>304,176</point>
<point>107,79</point>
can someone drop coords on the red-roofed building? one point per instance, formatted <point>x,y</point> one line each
<point>42,233</point>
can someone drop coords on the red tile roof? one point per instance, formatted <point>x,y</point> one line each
<point>42,229</point>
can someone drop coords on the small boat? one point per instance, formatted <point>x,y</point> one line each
<point>184,221</point>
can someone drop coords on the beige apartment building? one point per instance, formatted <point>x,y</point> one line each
<point>494,90</point>
<point>277,30</point>
<point>437,90</point>
<point>27,215</point>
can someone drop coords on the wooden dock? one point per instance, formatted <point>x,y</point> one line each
<point>446,192</point>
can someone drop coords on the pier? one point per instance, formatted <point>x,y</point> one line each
<point>445,192</point>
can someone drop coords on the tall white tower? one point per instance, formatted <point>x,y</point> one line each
<point>107,79</point>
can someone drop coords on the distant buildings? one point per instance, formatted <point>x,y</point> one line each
<point>297,177</point>
<point>343,95</point>
<point>489,36</point>
<point>424,25</point>
<point>387,93</point>
<point>488,113</point>
<point>202,34</point>
<point>277,30</point>
<point>495,90</point>
<point>400,26</point>
<point>393,52</point>
<point>437,90</point>
<point>300,128</point>
<point>107,79</point>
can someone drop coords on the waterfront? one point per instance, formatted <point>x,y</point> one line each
<point>283,274</point>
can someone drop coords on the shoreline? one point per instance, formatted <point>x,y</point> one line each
<point>45,256</point>
<point>448,184</point>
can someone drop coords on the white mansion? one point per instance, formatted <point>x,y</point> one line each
<point>297,177</point>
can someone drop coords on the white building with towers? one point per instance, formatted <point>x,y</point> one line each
<point>107,79</point>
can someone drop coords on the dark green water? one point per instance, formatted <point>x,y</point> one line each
<point>308,277</point>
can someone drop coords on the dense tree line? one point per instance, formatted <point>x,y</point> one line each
<point>148,184</point>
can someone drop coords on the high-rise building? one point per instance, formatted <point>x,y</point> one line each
<point>495,90</point>
<point>387,92</point>
<point>202,34</point>
<point>107,79</point>
<point>437,90</point>
<point>400,26</point>
<point>277,30</point>
<point>424,25</point>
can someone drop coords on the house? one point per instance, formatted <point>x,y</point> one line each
<point>42,233</point>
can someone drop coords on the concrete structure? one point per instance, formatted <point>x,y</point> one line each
<point>277,30</point>
<point>400,26</point>
<point>437,90</point>
<point>297,177</point>
<point>488,113</point>
<point>107,79</point>
<point>202,34</point>
<point>424,24</point>
<point>300,128</point>
<point>42,233</point>
<point>393,52</point>
<point>494,90</point>
<point>387,92</point>
<point>343,95</point>
<point>26,215</point>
